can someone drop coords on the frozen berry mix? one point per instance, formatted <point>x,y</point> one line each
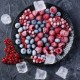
<point>41,33</point>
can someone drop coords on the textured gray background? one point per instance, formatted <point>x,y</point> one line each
<point>71,61</point>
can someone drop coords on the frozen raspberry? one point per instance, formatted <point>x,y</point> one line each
<point>58,51</point>
<point>53,10</point>
<point>53,44</point>
<point>24,33</point>
<point>37,39</point>
<point>45,50</point>
<point>48,25</point>
<point>41,12</point>
<point>45,30</point>
<point>64,33</point>
<point>57,30</point>
<point>38,49</point>
<point>64,39</point>
<point>61,45</point>
<point>34,13</point>
<point>31,16</point>
<point>39,18</point>
<point>40,43</point>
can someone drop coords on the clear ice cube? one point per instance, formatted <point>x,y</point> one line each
<point>40,74</point>
<point>22,67</point>
<point>6,19</point>
<point>50,59</point>
<point>39,5</point>
<point>62,72</point>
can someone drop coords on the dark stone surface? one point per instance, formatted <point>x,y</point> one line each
<point>71,61</point>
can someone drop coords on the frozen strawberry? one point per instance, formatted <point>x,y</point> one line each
<point>38,49</point>
<point>45,50</point>
<point>51,32</point>
<point>39,18</point>
<point>61,45</point>
<point>53,10</point>
<point>46,16</point>
<point>64,39</point>
<point>31,27</point>
<point>57,30</point>
<point>40,35</point>
<point>64,33</point>
<point>48,25</point>
<point>34,13</point>
<point>45,30</point>
<point>40,43</point>
<point>36,39</point>
<point>51,39</point>
<point>31,16</point>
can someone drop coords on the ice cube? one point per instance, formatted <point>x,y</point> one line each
<point>50,59</point>
<point>40,74</point>
<point>62,72</point>
<point>6,19</point>
<point>22,67</point>
<point>39,5</point>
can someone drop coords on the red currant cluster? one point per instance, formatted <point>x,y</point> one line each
<point>11,56</point>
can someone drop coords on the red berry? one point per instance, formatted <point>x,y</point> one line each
<point>38,49</point>
<point>40,43</point>
<point>51,32</point>
<point>53,10</point>
<point>53,44</point>
<point>57,30</point>
<point>39,18</point>
<point>61,45</point>
<point>51,39</point>
<point>40,35</point>
<point>37,39</point>
<point>45,30</point>
<point>46,16</point>
<point>58,51</point>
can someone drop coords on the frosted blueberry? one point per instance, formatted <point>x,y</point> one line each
<point>34,52</point>
<point>17,36</point>
<point>33,22</point>
<point>6,19</point>
<point>51,48</point>
<point>36,26</point>
<point>33,46</point>
<point>21,45</point>
<point>28,37</point>
<point>27,41</point>
<point>43,56</point>
<point>47,10</point>
<point>17,25</point>
<point>58,14</point>
<point>42,25</point>
<point>39,29</point>
<point>20,29</point>
<point>17,41</point>
<point>46,35</point>
<point>44,22</point>
<point>47,44</point>
<point>23,51</point>
<point>28,22</point>
<point>31,41</point>
<point>57,40</point>
<point>35,31</point>
<point>28,46</point>
<point>29,51</point>
<point>24,27</point>
<point>39,22</point>
<point>44,39</point>
<point>51,15</point>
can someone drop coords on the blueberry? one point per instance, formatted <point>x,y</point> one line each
<point>33,52</point>
<point>28,46</point>
<point>23,51</point>
<point>20,29</point>
<point>28,37</point>
<point>57,40</point>
<point>39,22</point>
<point>33,22</point>
<point>27,41</point>
<point>36,26</point>
<point>51,15</point>
<point>28,22</point>
<point>21,45</point>
<point>44,39</point>
<point>58,14</point>
<point>17,25</point>
<point>35,31</point>
<point>17,41</point>
<point>29,51</point>
<point>47,44</point>
<point>44,22</point>
<point>39,29</point>
<point>33,46</point>
<point>51,48</point>
<point>42,25</point>
<point>17,36</point>
<point>46,35</point>
<point>47,10</point>
<point>31,41</point>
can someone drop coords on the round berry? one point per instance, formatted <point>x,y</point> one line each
<point>44,40</point>
<point>27,41</point>
<point>17,41</point>
<point>47,11</point>
<point>53,10</point>
<point>58,14</point>
<point>23,51</point>
<point>33,46</point>
<point>29,51</point>
<point>40,43</point>
<point>33,22</point>
<point>28,37</point>
<point>17,25</point>
<point>28,46</point>
<point>21,45</point>
<point>31,41</point>
<point>17,36</point>
<point>20,29</point>
<point>57,40</point>
<point>34,52</point>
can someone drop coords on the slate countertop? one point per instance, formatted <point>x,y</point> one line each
<point>71,61</point>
